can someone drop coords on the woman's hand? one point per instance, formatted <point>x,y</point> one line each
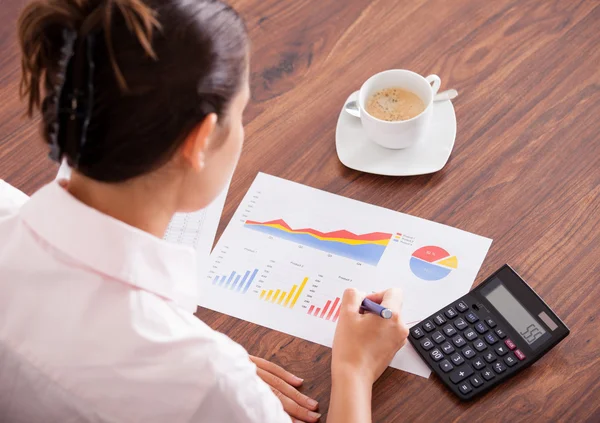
<point>283,383</point>
<point>364,343</point>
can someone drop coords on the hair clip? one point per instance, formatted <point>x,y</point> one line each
<point>74,97</point>
<point>69,38</point>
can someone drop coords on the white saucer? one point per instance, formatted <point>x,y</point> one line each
<point>357,152</point>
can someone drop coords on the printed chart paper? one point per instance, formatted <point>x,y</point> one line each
<point>290,250</point>
<point>198,229</point>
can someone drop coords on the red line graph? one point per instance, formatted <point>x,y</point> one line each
<point>344,234</point>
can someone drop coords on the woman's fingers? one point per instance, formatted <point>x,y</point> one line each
<point>295,410</point>
<point>287,390</point>
<point>277,371</point>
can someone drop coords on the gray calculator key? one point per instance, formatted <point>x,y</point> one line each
<point>439,319</point>
<point>457,359</point>
<point>459,341</point>
<point>479,363</point>
<point>462,306</point>
<point>438,337</point>
<point>499,367</point>
<point>476,381</point>
<point>471,317</point>
<point>451,313</point>
<point>461,373</point>
<point>436,354</point>
<point>470,334</point>
<point>427,344</point>
<point>510,360</point>
<point>501,350</point>
<point>428,326</point>
<point>468,352</point>
<point>464,387</point>
<point>446,366</point>
<point>488,374</point>
<point>479,345</point>
<point>460,323</point>
<point>447,348</point>
<point>481,327</point>
<point>449,330</point>
<point>490,339</point>
<point>417,332</point>
<point>489,357</point>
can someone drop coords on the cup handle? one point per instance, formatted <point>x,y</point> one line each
<point>435,83</point>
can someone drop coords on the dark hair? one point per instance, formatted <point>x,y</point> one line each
<point>156,69</point>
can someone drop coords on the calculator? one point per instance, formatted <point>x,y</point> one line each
<point>490,334</point>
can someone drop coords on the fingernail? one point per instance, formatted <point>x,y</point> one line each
<point>312,403</point>
<point>300,380</point>
<point>314,415</point>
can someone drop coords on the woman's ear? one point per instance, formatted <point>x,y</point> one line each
<point>198,141</point>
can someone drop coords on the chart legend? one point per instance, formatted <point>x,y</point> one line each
<point>236,282</point>
<point>367,248</point>
<point>284,298</point>
<point>330,311</point>
<point>432,263</point>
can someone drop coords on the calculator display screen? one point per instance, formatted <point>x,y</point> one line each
<point>514,313</point>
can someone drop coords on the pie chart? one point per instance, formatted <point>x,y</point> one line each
<point>432,263</point>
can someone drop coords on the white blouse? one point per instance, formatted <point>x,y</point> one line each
<point>97,324</point>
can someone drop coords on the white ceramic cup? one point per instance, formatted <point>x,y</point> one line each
<point>401,133</point>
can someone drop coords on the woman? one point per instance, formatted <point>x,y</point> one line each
<point>144,99</point>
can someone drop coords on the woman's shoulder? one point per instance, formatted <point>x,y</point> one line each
<point>11,199</point>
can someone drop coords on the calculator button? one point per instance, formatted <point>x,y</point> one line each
<point>490,339</point>
<point>460,323</point>
<point>501,350</point>
<point>479,345</point>
<point>446,366</point>
<point>468,352</point>
<point>462,306</point>
<point>488,374</point>
<point>428,326</point>
<point>490,322</point>
<point>459,341</point>
<point>478,364</point>
<point>520,355</point>
<point>451,313</point>
<point>449,330</point>
<point>447,348</point>
<point>457,359</point>
<point>489,357</point>
<point>499,367</point>
<point>436,354</point>
<point>438,337</point>
<point>481,327</point>
<point>427,344</point>
<point>471,317</point>
<point>476,381</point>
<point>500,333</point>
<point>465,388</point>
<point>461,373</point>
<point>417,332</point>
<point>439,319</point>
<point>510,344</point>
<point>470,334</point>
<point>510,360</point>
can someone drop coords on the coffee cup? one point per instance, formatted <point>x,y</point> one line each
<point>397,134</point>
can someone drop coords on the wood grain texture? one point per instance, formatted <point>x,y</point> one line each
<point>525,169</point>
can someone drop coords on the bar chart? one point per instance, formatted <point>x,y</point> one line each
<point>284,298</point>
<point>330,311</point>
<point>236,282</point>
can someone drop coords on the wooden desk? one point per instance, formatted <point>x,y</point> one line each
<point>525,169</point>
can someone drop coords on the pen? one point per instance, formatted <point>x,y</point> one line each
<point>373,307</point>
